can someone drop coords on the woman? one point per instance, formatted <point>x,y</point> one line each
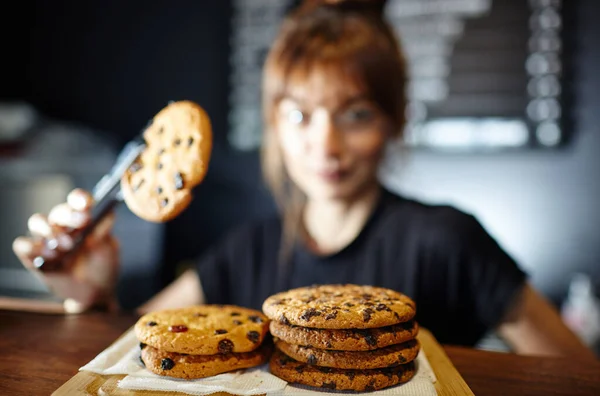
<point>333,98</point>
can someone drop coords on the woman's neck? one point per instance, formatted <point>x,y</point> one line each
<point>331,225</point>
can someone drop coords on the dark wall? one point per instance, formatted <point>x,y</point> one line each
<point>542,206</point>
<point>111,65</point>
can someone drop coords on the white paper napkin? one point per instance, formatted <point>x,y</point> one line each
<point>123,358</point>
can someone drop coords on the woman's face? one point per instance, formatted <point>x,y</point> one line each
<point>331,142</point>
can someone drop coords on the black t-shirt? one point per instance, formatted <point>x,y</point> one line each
<point>459,277</point>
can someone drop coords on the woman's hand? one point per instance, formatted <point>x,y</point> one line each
<point>86,278</point>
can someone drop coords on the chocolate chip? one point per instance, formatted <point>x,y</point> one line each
<point>190,142</point>
<point>283,360</point>
<point>167,364</point>
<point>235,314</point>
<point>159,165</point>
<point>370,387</point>
<point>328,385</point>
<point>177,142</point>
<point>220,331</point>
<point>397,316</point>
<point>178,328</point>
<point>388,373</point>
<point>237,322</point>
<point>278,301</point>
<point>178,181</point>
<point>309,313</point>
<point>164,202</point>
<point>382,307</point>
<point>349,304</point>
<point>255,319</point>
<point>312,359</point>
<point>284,320</point>
<point>136,166</point>
<point>253,336</point>
<point>142,361</point>
<point>350,374</point>
<point>401,359</point>
<point>329,345</point>
<point>159,190</point>
<point>367,314</point>
<point>331,315</point>
<point>371,340</point>
<point>325,370</point>
<point>367,296</point>
<point>225,346</point>
<point>200,315</point>
<point>151,323</point>
<point>300,368</point>
<point>142,345</point>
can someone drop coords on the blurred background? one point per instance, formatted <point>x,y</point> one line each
<point>504,124</point>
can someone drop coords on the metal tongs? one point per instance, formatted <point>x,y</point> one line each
<point>107,194</point>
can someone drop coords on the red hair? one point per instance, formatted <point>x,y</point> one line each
<point>350,43</point>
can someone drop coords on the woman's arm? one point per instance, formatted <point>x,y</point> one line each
<point>533,327</point>
<point>184,291</point>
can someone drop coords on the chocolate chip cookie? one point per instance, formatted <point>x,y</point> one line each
<point>158,186</point>
<point>361,360</point>
<point>201,366</point>
<point>340,307</point>
<point>203,329</point>
<point>346,339</point>
<point>293,371</point>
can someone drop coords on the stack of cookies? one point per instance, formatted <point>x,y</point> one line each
<point>343,337</point>
<point>202,341</point>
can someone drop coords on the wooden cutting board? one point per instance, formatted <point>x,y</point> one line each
<point>449,381</point>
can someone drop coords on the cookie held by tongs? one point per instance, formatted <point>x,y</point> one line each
<point>154,174</point>
<point>157,187</point>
